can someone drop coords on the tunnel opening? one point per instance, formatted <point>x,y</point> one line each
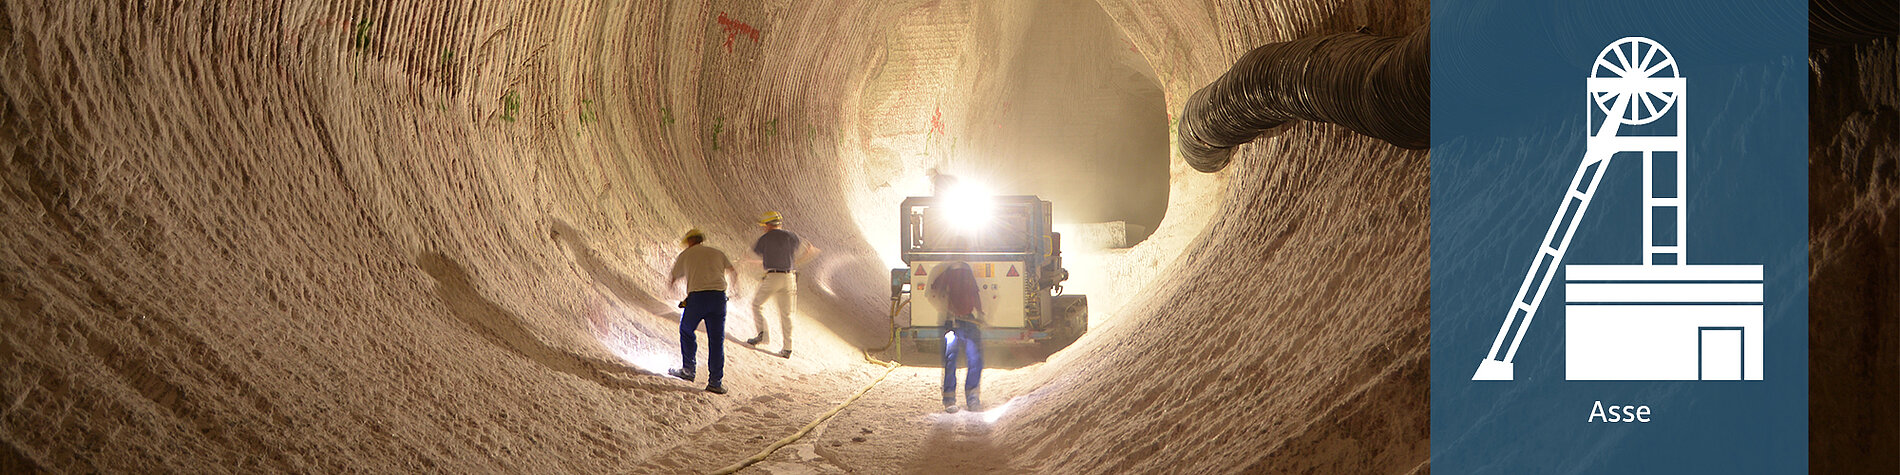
<point>1080,120</point>
<point>1051,99</point>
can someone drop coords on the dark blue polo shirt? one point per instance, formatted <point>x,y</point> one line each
<point>776,248</point>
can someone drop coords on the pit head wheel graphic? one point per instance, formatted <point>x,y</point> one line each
<point>1694,321</point>
<point>1634,58</point>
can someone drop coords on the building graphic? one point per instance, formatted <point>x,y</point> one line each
<point>1663,319</point>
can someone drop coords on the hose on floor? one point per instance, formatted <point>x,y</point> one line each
<point>760,457</point>
<point>896,306</point>
<point>889,366</point>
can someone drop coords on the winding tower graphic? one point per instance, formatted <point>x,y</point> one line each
<point>1663,319</point>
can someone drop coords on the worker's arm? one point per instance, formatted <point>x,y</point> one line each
<point>679,272</point>
<point>758,253</point>
<point>934,292</point>
<point>732,276</point>
<point>982,317</point>
<point>806,253</point>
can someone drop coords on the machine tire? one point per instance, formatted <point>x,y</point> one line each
<point>1074,321</point>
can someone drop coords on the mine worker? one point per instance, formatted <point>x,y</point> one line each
<point>778,250</point>
<point>955,292</point>
<point>702,267</point>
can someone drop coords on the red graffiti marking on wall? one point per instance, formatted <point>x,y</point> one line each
<point>936,123</point>
<point>734,28</point>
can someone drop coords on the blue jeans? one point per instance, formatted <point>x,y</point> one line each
<point>705,306</point>
<point>966,336</point>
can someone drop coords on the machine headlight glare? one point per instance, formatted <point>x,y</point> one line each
<point>969,207</point>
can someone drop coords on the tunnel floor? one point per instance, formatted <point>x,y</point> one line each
<point>899,426</point>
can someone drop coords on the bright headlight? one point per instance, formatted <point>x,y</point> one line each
<point>968,206</point>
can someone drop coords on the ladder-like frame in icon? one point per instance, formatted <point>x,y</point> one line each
<point>1633,82</point>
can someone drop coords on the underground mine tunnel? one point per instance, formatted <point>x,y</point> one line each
<point>436,236</point>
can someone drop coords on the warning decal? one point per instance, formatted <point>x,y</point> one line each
<point>1012,271</point>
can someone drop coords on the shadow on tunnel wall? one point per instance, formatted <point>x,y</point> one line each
<point>506,330</point>
<point>617,283</point>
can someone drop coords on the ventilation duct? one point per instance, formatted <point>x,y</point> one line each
<point>1378,86</point>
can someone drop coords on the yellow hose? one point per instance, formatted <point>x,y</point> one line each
<point>760,457</point>
<point>896,306</point>
<point>889,366</point>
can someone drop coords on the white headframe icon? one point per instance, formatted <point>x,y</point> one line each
<point>1633,83</point>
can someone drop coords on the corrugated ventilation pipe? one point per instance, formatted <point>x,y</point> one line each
<point>1379,86</point>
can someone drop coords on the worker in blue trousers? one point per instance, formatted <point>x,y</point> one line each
<point>702,266</point>
<point>955,292</point>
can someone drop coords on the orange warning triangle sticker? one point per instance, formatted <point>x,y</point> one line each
<point>920,271</point>
<point>1012,271</point>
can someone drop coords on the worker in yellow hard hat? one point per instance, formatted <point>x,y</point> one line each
<point>778,250</point>
<point>701,267</point>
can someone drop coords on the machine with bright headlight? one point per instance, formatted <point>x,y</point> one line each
<point>1017,258</point>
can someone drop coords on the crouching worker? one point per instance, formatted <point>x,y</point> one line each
<point>707,272</point>
<point>955,291</point>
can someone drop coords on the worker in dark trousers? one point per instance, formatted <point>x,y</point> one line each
<point>777,250</point>
<point>707,273</point>
<point>955,292</point>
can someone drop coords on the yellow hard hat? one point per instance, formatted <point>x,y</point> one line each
<point>771,217</point>
<point>690,233</point>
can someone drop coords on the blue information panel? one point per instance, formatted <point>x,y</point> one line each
<point>1619,237</point>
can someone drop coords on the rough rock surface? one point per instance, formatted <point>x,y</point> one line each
<point>1854,258</point>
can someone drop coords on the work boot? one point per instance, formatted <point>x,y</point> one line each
<point>754,341</point>
<point>971,403</point>
<point>950,402</point>
<point>787,354</point>
<point>715,388</point>
<point>680,373</point>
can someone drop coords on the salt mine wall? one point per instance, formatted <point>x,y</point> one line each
<point>420,236</point>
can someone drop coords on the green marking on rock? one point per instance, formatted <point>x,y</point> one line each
<point>362,35</point>
<point>510,103</point>
<point>719,125</point>
<point>666,116</point>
